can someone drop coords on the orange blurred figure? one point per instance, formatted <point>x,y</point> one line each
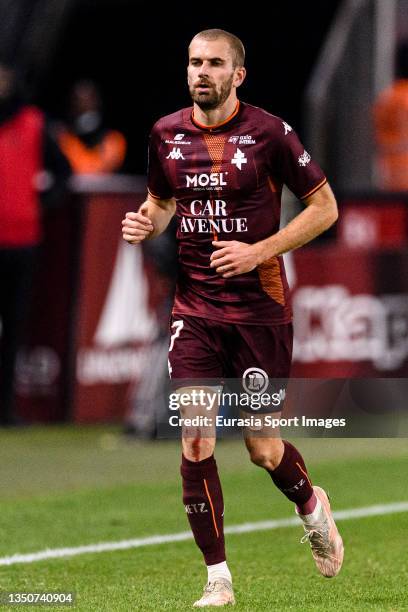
<point>90,147</point>
<point>391,129</point>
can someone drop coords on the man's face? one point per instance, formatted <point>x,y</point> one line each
<point>84,98</point>
<point>211,74</point>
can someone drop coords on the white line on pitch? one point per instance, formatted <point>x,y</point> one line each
<point>55,553</point>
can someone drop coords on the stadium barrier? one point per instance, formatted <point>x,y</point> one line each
<point>97,309</point>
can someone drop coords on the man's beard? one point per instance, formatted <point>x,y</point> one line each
<point>213,99</point>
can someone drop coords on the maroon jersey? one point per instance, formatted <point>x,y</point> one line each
<point>227,180</point>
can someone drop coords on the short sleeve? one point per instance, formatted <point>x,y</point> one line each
<point>298,170</point>
<point>157,183</point>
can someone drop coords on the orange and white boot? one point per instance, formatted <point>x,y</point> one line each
<point>216,593</point>
<point>324,538</point>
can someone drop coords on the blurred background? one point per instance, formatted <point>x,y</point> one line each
<point>83,315</point>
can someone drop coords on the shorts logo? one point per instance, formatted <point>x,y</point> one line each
<point>175,153</point>
<point>255,380</point>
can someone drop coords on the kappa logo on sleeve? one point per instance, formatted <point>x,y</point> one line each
<point>304,159</point>
<point>287,127</point>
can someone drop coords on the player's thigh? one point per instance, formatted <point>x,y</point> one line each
<point>193,351</point>
<point>193,365</point>
<point>261,366</point>
<point>266,347</point>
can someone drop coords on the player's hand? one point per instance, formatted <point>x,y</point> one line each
<point>232,257</point>
<point>136,226</point>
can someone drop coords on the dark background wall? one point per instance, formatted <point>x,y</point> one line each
<point>137,53</point>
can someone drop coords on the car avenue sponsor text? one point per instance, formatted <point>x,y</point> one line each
<point>207,216</point>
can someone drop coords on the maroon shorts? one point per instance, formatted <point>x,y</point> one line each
<point>204,349</point>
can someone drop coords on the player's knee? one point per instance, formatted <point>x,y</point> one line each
<point>263,460</point>
<point>266,457</point>
<point>198,449</point>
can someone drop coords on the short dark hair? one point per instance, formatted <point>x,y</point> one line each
<point>237,48</point>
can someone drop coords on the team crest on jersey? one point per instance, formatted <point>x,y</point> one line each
<point>239,159</point>
<point>287,127</point>
<point>304,159</point>
<point>175,153</point>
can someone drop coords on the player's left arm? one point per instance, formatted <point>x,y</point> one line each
<point>232,257</point>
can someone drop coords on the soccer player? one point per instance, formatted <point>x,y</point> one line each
<point>220,167</point>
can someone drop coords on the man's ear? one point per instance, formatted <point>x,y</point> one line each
<point>240,74</point>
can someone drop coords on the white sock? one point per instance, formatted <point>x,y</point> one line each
<point>219,570</point>
<point>314,516</point>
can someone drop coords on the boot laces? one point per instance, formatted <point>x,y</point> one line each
<point>318,538</point>
<point>216,586</point>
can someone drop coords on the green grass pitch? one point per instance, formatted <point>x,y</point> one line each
<point>66,486</point>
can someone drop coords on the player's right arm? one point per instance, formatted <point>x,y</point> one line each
<point>149,221</point>
<point>155,213</point>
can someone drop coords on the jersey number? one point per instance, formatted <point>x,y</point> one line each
<point>177,326</point>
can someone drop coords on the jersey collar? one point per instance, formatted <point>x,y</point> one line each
<point>216,126</point>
